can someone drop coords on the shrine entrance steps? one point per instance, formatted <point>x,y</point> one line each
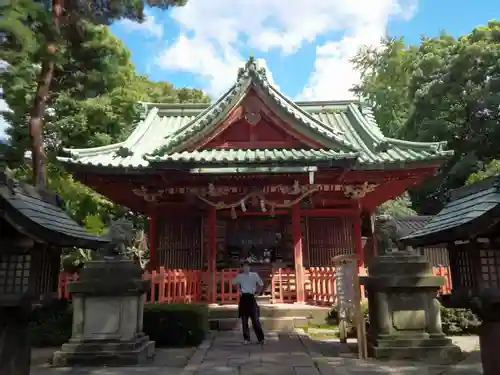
<point>273,317</point>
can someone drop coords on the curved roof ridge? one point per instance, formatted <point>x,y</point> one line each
<point>377,137</point>
<point>139,131</point>
<point>208,117</point>
<point>439,146</point>
<point>365,148</point>
<point>311,121</point>
<point>369,122</point>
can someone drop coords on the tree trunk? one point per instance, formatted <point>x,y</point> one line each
<point>35,124</point>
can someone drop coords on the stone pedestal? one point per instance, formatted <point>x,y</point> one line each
<point>405,318</point>
<point>108,305</point>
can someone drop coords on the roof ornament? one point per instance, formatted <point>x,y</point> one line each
<point>253,118</point>
<point>252,65</point>
<point>124,152</point>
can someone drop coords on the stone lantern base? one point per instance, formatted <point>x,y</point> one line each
<point>108,305</point>
<point>412,347</point>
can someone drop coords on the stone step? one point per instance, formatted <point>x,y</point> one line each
<point>315,314</point>
<point>286,324</point>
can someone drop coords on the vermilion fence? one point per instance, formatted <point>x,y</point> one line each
<point>185,286</point>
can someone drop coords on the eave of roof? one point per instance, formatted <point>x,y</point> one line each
<point>473,210</point>
<point>32,212</point>
<point>407,225</point>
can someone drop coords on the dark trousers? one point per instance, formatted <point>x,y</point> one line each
<point>249,309</point>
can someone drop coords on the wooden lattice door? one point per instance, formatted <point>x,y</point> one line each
<point>179,244</point>
<point>490,268</point>
<point>329,237</point>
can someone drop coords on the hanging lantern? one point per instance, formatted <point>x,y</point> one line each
<point>263,205</point>
<point>233,213</point>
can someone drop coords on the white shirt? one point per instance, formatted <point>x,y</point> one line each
<point>248,282</point>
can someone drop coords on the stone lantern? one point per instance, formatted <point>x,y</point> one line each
<point>405,318</point>
<point>108,306</point>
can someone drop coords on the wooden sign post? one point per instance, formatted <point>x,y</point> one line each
<point>348,293</point>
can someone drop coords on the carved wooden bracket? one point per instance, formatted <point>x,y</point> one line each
<point>147,195</point>
<point>359,190</point>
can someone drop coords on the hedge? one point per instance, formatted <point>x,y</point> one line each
<point>459,321</point>
<point>169,325</point>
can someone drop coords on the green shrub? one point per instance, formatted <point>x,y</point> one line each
<point>176,324</point>
<point>459,321</point>
<point>51,325</point>
<point>170,325</point>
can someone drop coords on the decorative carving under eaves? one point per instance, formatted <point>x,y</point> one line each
<point>148,195</point>
<point>358,190</point>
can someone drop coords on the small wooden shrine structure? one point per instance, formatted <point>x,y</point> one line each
<point>33,230</point>
<point>35,227</point>
<point>257,176</point>
<point>469,225</point>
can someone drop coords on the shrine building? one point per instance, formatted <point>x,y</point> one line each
<point>256,176</point>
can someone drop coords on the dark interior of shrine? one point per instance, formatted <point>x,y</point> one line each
<point>258,240</point>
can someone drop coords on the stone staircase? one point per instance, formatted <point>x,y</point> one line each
<point>273,317</point>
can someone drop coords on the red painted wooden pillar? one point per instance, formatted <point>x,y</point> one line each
<point>297,252</point>
<point>358,242</point>
<point>153,242</point>
<point>212,252</point>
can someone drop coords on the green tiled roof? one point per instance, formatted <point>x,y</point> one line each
<point>471,212</point>
<point>254,156</point>
<point>345,127</point>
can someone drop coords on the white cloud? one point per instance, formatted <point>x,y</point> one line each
<point>213,32</point>
<point>149,27</point>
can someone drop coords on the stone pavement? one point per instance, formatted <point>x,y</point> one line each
<point>297,354</point>
<point>283,354</point>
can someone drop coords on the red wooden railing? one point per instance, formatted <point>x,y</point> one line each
<point>174,286</point>
<point>185,286</point>
<point>226,292</point>
<point>446,272</point>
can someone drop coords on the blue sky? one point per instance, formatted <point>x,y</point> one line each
<point>306,44</point>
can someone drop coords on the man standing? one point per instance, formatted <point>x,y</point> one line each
<point>250,283</point>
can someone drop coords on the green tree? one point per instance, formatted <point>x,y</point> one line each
<point>448,89</point>
<point>385,78</point>
<point>94,102</point>
<point>489,170</point>
<point>398,207</point>
<point>58,25</point>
